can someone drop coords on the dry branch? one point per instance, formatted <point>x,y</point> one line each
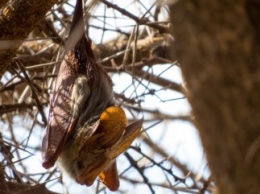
<point>17,20</point>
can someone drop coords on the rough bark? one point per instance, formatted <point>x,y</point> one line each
<point>217,44</point>
<point>17,20</point>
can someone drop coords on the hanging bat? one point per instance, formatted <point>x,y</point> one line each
<point>85,131</point>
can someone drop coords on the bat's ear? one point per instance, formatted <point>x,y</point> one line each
<point>112,125</point>
<point>131,132</point>
<point>109,177</point>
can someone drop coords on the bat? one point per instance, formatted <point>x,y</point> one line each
<point>85,131</point>
<point>93,151</point>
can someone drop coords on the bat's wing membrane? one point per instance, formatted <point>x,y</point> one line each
<point>66,104</point>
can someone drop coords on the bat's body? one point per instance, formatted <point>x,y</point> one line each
<point>85,131</point>
<point>82,90</point>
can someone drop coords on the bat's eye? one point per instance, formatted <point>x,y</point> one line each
<point>80,165</point>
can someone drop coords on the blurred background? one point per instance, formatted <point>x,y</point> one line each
<point>132,40</point>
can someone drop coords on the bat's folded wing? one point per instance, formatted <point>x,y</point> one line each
<point>66,104</point>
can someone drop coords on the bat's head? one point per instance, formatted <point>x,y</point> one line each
<point>89,165</point>
<point>90,150</point>
<point>92,155</point>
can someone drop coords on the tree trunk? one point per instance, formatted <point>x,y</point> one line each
<point>218,46</point>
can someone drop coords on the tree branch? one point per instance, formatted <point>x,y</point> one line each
<point>17,20</point>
